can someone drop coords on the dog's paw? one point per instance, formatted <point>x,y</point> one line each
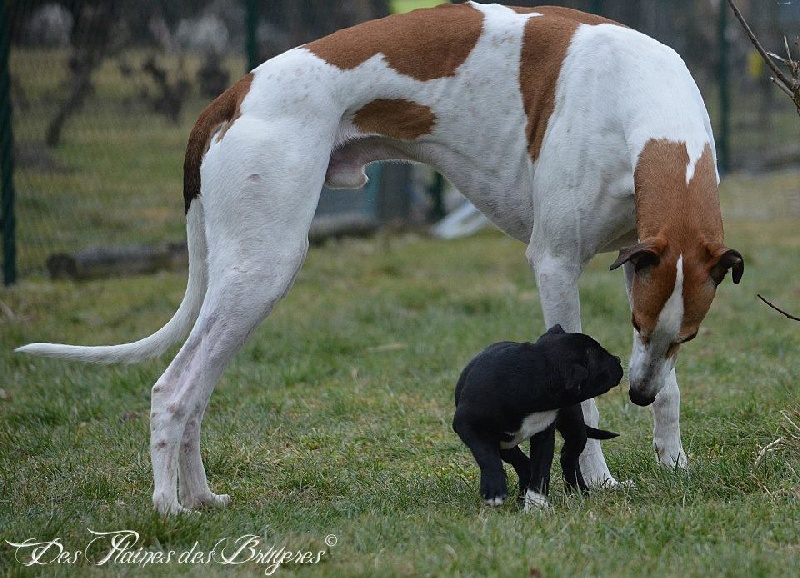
<point>209,500</point>
<point>671,456</point>
<point>216,500</point>
<point>535,502</point>
<point>171,507</point>
<point>494,489</point>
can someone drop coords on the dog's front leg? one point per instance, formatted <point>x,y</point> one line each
<point>666,424</point>
<point>557,281</point>
<point>592,461</point>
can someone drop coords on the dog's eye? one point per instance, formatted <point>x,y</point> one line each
<point>672,350</point>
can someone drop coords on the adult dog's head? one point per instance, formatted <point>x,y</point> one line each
<point>672,274</point>
<point>671,291</point>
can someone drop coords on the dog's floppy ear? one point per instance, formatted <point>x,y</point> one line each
<point>574,376</point>
<point>645,254</point>
<point>727,259</point>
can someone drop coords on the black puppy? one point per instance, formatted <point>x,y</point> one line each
<point>514,391</point>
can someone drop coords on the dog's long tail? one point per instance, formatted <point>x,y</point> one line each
<point>599,434</point>
<point>176,328</point>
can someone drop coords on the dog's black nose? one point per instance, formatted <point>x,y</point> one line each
<point>640,399</point>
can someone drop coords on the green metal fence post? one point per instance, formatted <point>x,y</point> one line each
<point>724,134</point>
<point>6,153</point>
<point>251,25</point>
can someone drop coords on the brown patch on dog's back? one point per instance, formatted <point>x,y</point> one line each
<point>221,113</point>
<point>423,44</point>
<point>544,47</point>
<point>396,118</point>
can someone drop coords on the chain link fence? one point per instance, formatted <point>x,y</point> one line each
<point>104,95</point>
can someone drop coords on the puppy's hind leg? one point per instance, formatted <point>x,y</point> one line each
<point>493,485</point>
<point>571,425</point>
<point>521,464</point>
<point>542,449</point>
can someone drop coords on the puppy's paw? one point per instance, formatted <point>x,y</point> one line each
<point>535,502</point>
<point>493,502</point>
<point>494,489</point>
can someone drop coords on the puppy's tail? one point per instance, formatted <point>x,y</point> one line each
<point>599,434</point>
<point>175,329</point>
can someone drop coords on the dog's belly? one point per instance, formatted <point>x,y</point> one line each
<point>531,425</point>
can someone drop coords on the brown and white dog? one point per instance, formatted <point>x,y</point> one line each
<point>573,134</point>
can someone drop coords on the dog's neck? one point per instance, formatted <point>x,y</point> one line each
<point>677,197</point>
<point>678,215</point>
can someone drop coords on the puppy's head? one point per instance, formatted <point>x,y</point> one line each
<point>585,369</point>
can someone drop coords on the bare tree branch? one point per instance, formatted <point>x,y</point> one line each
<point>789,85</point>
<point>778,309</point>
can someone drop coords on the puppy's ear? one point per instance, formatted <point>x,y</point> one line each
<point>575,375</point>
<point>556,329</point>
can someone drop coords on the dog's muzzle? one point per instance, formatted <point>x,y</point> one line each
<point>641,399</point>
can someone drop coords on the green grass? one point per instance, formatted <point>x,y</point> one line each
<point>335,419</point>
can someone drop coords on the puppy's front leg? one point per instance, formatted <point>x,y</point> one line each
<point>542,449</point>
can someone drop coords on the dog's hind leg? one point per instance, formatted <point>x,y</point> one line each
<point>493,485</point>
<point>193,490</point>
<point>571,425</point>
<point>257,220</point>
<point>235,304</point>
<point>521,464</point>
<point>542,450</point>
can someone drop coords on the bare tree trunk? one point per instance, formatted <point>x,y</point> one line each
<point>94,39</point>
<point>79,88</point>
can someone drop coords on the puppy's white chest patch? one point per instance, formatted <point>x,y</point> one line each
<point>531,425</point>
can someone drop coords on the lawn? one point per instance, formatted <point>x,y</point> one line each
<point>331,429</point>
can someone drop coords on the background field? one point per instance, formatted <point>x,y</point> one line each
<point>335,419</point>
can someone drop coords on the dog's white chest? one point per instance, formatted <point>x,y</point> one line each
<point>531,425</point>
